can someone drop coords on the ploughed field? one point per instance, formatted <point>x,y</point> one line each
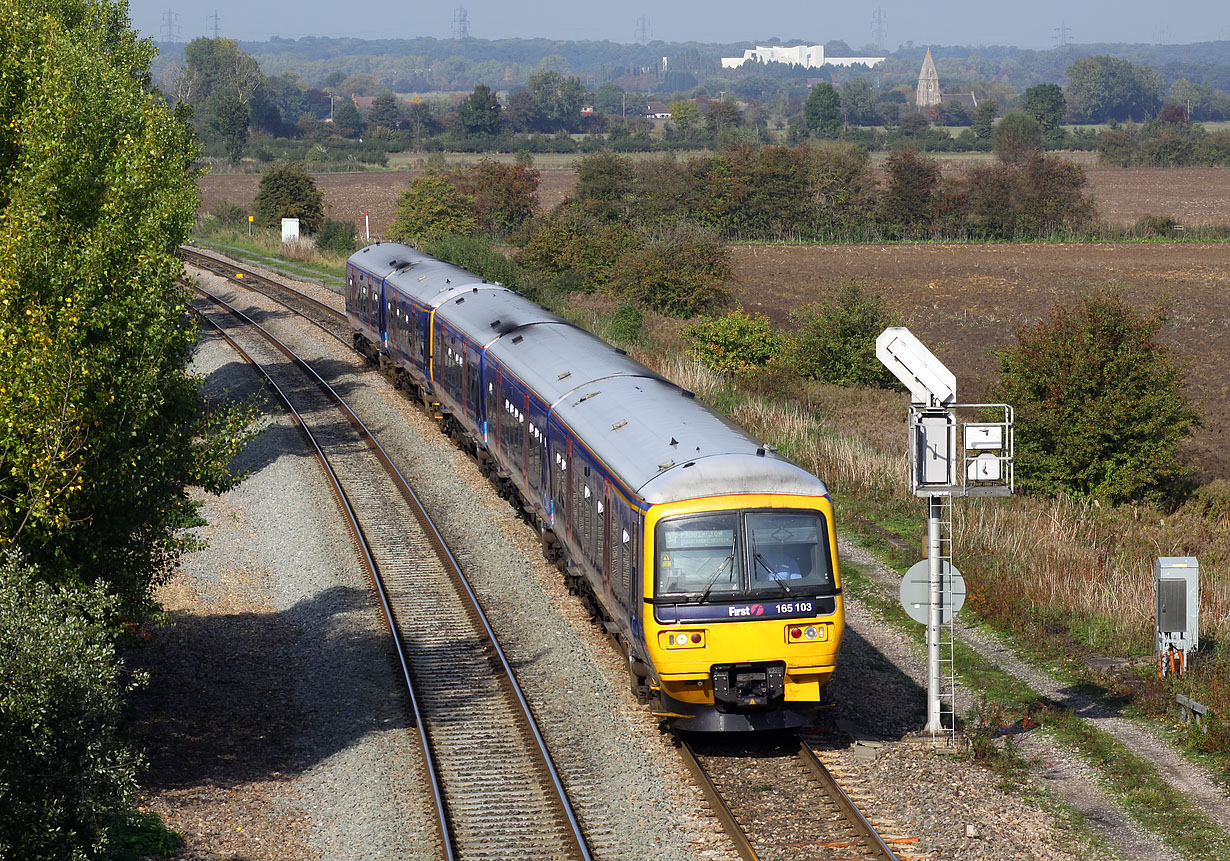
<point>962,300</point>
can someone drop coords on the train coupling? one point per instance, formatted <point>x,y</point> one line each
<point>743,687</point>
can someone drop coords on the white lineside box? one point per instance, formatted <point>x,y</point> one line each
<point>290,229</point>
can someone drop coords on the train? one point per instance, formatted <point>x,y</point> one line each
<point>709,557</point>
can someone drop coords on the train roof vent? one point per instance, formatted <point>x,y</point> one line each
<point>674,442</point>
<point>564,375</point>
<point>666,465</point>
<point>518,339</point>
<point>586,397</point>
<point>495,324</point>
<point>462,299</point>
<point>619,424</point>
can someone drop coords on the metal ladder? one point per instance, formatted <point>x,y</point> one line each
<point>947,633</point>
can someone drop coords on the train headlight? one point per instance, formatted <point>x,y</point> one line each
<point>682,639</point>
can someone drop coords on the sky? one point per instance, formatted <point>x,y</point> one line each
<point>1040,25</point>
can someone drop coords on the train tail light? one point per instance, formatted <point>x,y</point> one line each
<point>806,633</point>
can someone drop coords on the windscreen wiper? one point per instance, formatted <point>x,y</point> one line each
<point>734,543</point>
<point>758,558</point>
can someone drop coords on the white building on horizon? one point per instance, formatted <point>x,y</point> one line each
<point>808,56</point>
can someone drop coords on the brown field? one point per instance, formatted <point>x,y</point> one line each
<point>962,300</point>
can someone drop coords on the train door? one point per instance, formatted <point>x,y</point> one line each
<point>527,442</point>
<point>473,392</point>
<point>491,421</point>
<point>603,554</point>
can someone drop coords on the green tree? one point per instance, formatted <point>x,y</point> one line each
<point>835,340</point>
<point>385,112</point>
<point>858,103</point>
<point>1100,409</point>
<point>286,191</point>
<point>479,112</point>
<point>722,115</point>
<point>501,197</point>
<point>560,97</point>
<point>101,429</point>
<point>680,274</point>
<point>609,99</point>
<point>523,113</point>
<point>984,123</point>
<point>1046,104</point>
<point>685,117</point>
<point>429,208</point>
<point>230,118</point>
<point>1017,138</point>
<point>65,772</point>
<point>604,185</point>
<point>1106,88</point>
<point>346,119</point>
<point>734,344</point>
<point>907,207</point>
<point>213,65</point>
<point>822,111</point>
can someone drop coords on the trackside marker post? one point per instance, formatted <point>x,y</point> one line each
<point>946,458</point>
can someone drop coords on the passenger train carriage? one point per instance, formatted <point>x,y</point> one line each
<point>712,559</point>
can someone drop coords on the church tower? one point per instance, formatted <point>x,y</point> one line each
<point>928,84</point>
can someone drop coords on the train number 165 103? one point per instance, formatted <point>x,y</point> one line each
<point>797,607</point>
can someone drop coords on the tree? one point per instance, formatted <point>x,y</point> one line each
<point>858,103</point>
<point>102,430</point>
<point>1017,138</point>
<point>679,274</point>
<point>1106,88</point>
<point>1046,104</point>
<point>835,340</point>
<point>685,117</point>
<point>604,185</point>
<point>429,208</point>
<point>346,119</point>
<point>722,115</point>
<point>211,65</point>
<point>286,191</point>
<point>984,122</point>
<point>479,112</point>
<point>1100,409</point>
<point>65,772</point>
<point>523,113</point>
<point>501,197</point>
<point>230,117</point>
<point>734,344</point>
<point>385,112</point>
<point>907,206</point>
<point>561,99</point>
<point>609,99</point>
<point>822,111</point>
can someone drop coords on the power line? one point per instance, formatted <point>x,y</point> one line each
<point>214,18</point>
<point>1061,35</point>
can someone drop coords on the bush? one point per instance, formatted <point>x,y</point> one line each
<point>734,344</point>
<point>286,191</point>
<point>430,207</point>
<point>1153,226</point>
<point>1100,409</point>
<point>626,323</point>
<point>907,207</point>
<point>479,256</point>
<point>575,251</point>
<point>66,775</point>
<point>337,236</point>
<point>835,341</point>
<point>680,274</point>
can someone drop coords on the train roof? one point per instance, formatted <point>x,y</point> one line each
<point>667,446</point>
<point>487,312</point>
<point>385,258</point>
<point>555,357</point>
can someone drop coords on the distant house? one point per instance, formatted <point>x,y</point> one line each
<point>807,56</point>
<point>363,103</point>
<point>657,111</point>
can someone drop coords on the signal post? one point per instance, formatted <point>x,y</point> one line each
<point>953,450</point>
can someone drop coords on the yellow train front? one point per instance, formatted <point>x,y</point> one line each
<point>743,616</point>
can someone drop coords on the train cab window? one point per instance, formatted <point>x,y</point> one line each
<point>788,548</point>
<point>699,555</point>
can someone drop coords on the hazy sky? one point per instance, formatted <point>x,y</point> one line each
<point>947,22</point>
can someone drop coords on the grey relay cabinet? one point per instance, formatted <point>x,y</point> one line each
<point>1178,611</point>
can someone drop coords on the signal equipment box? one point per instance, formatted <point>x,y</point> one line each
<point>1178,611</point>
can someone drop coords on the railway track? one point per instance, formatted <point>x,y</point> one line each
<point>777,800</point>
<point>765,797</point>
<point>496,790</point>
